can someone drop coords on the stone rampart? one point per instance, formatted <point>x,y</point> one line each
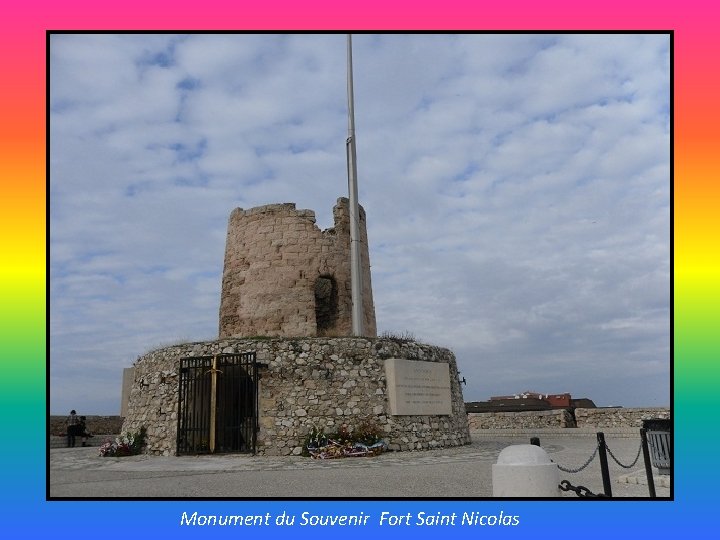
<point>618,416</point>
<point>558,418</point>
<point>101,425</point>
<point>322,382</point>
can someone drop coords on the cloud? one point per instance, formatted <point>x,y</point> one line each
<point>516,187</point>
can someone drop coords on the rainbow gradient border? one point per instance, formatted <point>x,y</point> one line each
<point>24,236</point>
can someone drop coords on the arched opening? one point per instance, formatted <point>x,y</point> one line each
<point>326,305</point>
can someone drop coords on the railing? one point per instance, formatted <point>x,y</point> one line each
<point>602,450</point>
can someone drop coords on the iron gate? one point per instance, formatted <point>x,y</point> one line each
<point>217,404</point>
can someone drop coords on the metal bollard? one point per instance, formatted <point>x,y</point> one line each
<point>525,470</point>
<point>604,470</point>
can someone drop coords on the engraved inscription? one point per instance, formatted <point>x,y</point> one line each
<point>415,387</point>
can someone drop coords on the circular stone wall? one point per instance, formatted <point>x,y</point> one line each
<point>321,382</point>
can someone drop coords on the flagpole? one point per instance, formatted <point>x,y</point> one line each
<point>355,273</point>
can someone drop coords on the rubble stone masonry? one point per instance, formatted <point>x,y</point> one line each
<point>559,418</point>
<point>100,425</point>
<point>615,417</point>
<point>611,417</point>
<point>322,382</point>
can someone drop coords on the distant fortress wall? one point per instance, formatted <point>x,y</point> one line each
<point>284,277</point>
<point>98,425</point>
<point>558,418</point>
<point>608,417</point>
<point>596,418</point>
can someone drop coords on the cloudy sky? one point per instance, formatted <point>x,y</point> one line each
<point>517,189</point>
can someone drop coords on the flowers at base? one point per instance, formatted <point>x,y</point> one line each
<point>334,450</point>
<point>127,444</point>
<point>365,440</point>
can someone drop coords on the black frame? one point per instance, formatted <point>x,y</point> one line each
<point>236,404</point>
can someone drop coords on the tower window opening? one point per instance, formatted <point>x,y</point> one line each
<point>326,305</point>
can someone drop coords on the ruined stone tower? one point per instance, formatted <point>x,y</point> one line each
<point>284,277</point>
<point>252,391</point>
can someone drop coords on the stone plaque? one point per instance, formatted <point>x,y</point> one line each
<point>415,387</point>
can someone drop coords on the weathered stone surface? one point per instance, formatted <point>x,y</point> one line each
<point>289,406</point>
<point>417,387</point>
<point>101,425</point>
<point>558,418</point>
<point>618,416</point>
<point>285,277</point>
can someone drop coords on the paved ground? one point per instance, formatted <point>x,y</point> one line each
<point>463,472</point>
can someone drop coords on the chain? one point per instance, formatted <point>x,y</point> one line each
<point>616,459</point>
<point>580,491</point>
<point>563,469</point>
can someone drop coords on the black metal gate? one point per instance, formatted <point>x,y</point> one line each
<point>217,404</point>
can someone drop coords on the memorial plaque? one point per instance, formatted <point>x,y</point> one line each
<point>418,388</point>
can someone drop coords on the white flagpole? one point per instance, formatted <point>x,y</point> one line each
<point>355,272</point>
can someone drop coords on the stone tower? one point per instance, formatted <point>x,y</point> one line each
<point>284,277</point>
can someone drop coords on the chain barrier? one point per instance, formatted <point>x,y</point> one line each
<point>604,449</point>
<point>583,466</point>
<point>580,491</point>
<point>618,462</point>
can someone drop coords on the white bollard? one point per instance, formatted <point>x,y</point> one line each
<point>525,470</point>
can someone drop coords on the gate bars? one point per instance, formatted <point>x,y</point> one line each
<point>217,404</point>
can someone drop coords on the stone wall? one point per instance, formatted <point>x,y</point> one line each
<point>101,425</point>
<point>561,418</point>
<point>558,418</point>
<point>128,376</point>
<point>323,382</point>
<point>618,417</point>
<point>285,277</point>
